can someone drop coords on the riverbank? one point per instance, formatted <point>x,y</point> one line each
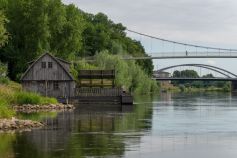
<point>14,100</point>
<point>17,124</point>
<point>181,88</point>
<point>28,108</point>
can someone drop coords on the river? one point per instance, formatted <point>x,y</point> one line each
<point>165,126</point>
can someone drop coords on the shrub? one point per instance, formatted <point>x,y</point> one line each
<point>7,94</point>
<point>4,80</point>
<point>27,98</point>
<point>128,73</point>
<point>5,111</point>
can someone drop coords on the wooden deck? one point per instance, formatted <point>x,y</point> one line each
<point>100,96</point>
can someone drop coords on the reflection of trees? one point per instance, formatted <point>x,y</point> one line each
<point>86,133</point>
<point>6,142</point>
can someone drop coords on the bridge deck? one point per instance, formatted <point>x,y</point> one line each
<point>194,79</point>
<point>177,57</point>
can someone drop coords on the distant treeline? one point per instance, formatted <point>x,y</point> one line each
<point>28,28</point>
<point>198,84</point>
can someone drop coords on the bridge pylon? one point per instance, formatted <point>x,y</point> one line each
<point>234,86</point>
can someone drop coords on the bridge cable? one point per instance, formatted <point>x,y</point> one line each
<point>180,43</point>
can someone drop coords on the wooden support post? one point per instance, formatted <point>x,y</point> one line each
<point>46,88</point>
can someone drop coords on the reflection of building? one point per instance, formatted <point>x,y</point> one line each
<point>87,132</point>
<point>162,74</point>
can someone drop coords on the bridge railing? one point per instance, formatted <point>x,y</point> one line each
<point>192,53</point>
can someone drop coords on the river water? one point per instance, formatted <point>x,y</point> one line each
<point>166,126</point>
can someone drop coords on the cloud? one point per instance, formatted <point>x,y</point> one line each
<point>211,62</point>
<point>211,22</point>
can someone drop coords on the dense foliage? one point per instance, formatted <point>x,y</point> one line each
<point>36,26</point>
<point>198,84</point>
<point>129,75</point>
<point>3,31</point>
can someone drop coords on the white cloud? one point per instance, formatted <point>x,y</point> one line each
<point>210,22</point>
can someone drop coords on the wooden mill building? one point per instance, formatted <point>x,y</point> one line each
<point>49,76</point>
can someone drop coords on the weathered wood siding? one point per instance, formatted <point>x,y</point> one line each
<point>37,73</point>
<point>41,80</point>
<point>66,88</point>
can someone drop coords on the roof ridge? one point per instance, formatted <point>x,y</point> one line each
<point>47,53</point>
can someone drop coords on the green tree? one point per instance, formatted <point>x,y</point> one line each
<point>29,33</point>
<point>70,38</point>
<point>3,31</point>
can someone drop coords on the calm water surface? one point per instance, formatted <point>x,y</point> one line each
<point>164,126</point>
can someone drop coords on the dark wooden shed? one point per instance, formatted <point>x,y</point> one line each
<point>49,76</point>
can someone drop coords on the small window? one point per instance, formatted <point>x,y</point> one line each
<point>55,86</point>
<point>43,65</point>
<point>50,65</point>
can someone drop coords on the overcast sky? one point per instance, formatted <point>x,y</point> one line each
<point>203,22</point>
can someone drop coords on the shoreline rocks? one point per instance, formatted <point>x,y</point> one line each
<point>16,124</point>
<point>35,108</point>
<point>27,125</point>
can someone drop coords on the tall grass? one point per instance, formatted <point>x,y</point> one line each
<point>12,93</point>
<point>5,110</point>
<point>32,98</point>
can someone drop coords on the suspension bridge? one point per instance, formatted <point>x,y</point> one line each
<point>169,49</point>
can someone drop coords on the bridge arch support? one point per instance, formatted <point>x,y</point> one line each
<point>221,71</point>
<point>231,76</point>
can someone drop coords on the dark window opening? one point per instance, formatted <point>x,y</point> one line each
<point>43,65</point>
<point>50,65</point>
<point>55,86</point>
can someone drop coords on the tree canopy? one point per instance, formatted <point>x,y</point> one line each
<point>37,26</point>
<point>197,84</point>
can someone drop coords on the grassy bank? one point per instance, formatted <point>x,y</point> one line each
<point>207,89</point>
<point>182,88</point>
<point>11,93</point>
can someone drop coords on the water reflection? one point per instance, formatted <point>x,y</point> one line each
<point>166,125</point>
<point>87,131</point>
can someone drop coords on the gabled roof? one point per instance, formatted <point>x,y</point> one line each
<point>57,61</point>
<point>64,61</point>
